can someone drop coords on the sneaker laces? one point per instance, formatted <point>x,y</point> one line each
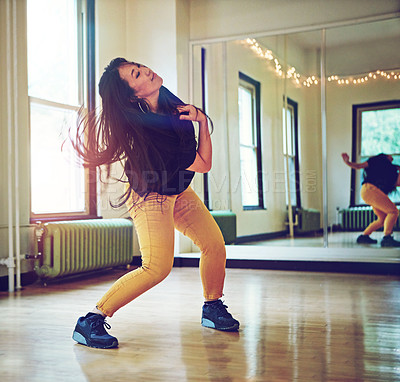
<point>222,309</point>
<point>107,325</point>
<point>99,324</point>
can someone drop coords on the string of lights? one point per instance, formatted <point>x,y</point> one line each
<point>308,81</point>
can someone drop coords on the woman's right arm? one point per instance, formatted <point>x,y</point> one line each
<point>354,165</point>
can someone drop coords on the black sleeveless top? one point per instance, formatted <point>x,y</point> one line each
<point>381,173</point>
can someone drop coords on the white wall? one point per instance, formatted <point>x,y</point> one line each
<point>151,37</point>
<point>182,48</point>
<point>111,42</point>
<point>224,18</point>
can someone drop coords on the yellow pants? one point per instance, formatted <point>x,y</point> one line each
<point>385,210</point>
<point>155,224</point>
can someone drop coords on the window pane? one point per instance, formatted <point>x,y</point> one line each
<point>245,116</point>
<point>58,184</point>
<point>250,155</point>
<point>380,132</point>
<point>292,181</point>
<point>289,131</point>
<point>248,168</point>
<point>53,50</point>
<point>290,153</point>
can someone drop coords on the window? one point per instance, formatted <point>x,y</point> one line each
<point>291,152</point>
<point>57,78</point>
<point>250,143</point>
<point>376,128</point>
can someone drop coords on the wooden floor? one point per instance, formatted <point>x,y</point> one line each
<point>294,327</point>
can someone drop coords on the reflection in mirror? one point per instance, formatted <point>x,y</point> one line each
<point>264,98</point>
<point>363,114</point>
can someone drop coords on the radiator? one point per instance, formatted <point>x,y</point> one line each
<point>76,246</point>
<point>309,220</point>
<point>226,221</point>
<point>306,220</point>
<point>358,218</point>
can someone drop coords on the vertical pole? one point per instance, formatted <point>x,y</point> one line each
<point>9,152</point>
<point>227,146</point>
<point>290,210</point>
<point>16,150</point>
<point>324,141</point>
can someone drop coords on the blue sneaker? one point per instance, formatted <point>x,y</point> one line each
<point>388,241</point>
<point>217,317</point>
<point>89,331</point>
<point>365,239</point>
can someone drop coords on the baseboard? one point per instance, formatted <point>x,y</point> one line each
<point>260,237</point>
<point>388,269</point>
<point>26,279</point>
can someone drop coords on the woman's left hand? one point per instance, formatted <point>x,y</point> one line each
<point>191,113</point>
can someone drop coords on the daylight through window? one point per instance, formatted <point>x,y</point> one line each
<point>56,91</point>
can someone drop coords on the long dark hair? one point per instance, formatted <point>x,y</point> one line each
<point>118,133</point>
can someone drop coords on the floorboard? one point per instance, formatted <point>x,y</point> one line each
<point>295,326</point>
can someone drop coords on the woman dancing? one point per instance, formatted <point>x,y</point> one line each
<point>150,130</point>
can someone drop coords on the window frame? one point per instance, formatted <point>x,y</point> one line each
<point>244,79</point>
<point>356,141</point>
<point>86,74</point>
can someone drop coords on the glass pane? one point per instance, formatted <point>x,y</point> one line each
<point>58,183</point>
<point>249,181</point>
<point>292,183</point>
<point>245,116</point>
<point>284,132</point>
<point>289,132</point>
<point>379,129</point>
<point>53,57</point>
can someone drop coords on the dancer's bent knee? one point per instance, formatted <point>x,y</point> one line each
<point>156,273</point>
<point>395,212</point>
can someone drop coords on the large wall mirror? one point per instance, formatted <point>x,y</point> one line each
<point>284,108</point>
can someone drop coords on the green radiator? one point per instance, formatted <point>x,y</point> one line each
<point>358,218</point>
<point>71,247</point>
<point>306,220</point>
<point>309,220</point>
<point>226,221</point>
